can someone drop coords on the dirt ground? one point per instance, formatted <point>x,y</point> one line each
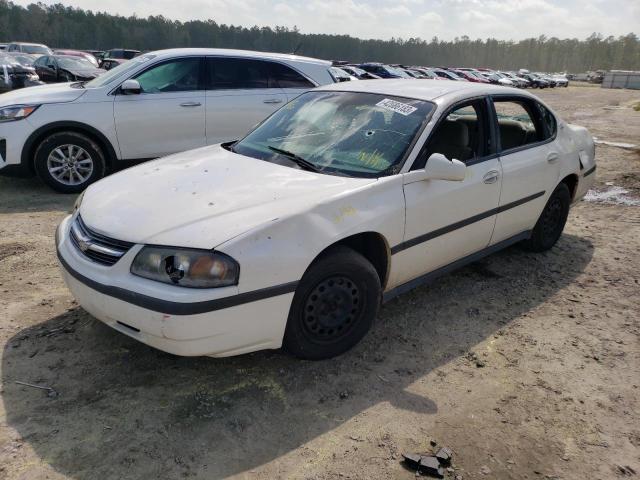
<point>526,365</point>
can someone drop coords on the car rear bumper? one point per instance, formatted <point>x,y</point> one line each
<point>241,328</point>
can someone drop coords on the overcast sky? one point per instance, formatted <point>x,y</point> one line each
<point>503,19</point>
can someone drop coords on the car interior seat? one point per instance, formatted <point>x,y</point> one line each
<point>452,140</point>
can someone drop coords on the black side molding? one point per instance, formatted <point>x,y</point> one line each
<point>431,276</point>
<point>179,308</point>
<point>589,172</point>
<point>462,223</point>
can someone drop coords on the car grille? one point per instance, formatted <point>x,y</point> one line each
<point>99,248</point>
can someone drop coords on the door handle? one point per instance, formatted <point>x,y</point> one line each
<point>491,176</point>
<point>273,100</point>
<point>190,104</point>
<point>553,157</point>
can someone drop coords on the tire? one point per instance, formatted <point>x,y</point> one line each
<point>551,223</point>
<point>334,306</point>
<point>81,159</point>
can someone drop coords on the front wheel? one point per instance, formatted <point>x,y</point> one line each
<point>334,306</point>
<point>551,223</point>
<point>69,162</point>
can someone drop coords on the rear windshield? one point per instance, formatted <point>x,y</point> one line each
<point>38,49</point>
<point>340,133</point>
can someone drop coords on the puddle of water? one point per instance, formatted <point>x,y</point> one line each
<point>613,196</point>
<point>628,146</point>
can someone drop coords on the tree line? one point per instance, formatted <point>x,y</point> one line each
<point>61,26</point>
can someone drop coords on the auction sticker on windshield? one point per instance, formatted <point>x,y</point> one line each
<point>398,107</point>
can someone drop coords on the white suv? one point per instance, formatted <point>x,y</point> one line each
<point>153,105</point>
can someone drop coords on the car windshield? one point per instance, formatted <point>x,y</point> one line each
<point>357,71</point>
<point>396,71</point>
<point>7,60</point>
<point>25,60</point>
<point>78,63</point>
<point>119,71</point>
<point>37,49</point>
<point>340,75</point>
<point>339,133</point>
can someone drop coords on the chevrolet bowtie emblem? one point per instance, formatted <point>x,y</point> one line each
<point>84,246</point>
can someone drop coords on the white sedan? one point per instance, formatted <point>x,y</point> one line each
<point>344,198</point>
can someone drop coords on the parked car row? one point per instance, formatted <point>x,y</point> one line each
<point>59,65</point>
<point>306,216</point>
<point>520,79</point>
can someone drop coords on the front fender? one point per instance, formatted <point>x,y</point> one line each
<point>280,251</point>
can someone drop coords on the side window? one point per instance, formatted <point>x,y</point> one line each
<point>548,121</point>
<point>516,124</point>
<point>180,75</point>
<point>286,77</point>
<point>461,135</point>
<point>236,74</point>
<point>41,62</point>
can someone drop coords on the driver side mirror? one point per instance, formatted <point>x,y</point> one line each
<point>130,87</point>
<point>439,167</point>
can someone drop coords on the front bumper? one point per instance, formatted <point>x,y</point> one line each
<point>13,136</point>
<point>246,326</point>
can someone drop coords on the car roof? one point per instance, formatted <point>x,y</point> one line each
<point>28,43</point>
<point>237,53</point>
<point>421,89</point>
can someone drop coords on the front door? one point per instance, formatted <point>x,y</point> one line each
<point>448,220</point>
<point>168,115</point>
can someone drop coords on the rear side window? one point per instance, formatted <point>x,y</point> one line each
<point>517,124</point>
<point>237,74</point>
<point>286,77</point>
<point>548,121</point>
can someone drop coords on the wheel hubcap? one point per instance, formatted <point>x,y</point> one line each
<point>332,308</point>
<point>70,164</point>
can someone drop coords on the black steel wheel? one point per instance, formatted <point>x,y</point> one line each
<point>552,220</point>
<point>334,306</point>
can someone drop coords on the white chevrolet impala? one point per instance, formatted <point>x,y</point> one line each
<point>344,198</point>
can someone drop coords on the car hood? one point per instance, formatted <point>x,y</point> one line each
<point>54,93</point>
<point>204,197</point>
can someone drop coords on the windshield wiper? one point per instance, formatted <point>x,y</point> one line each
<point>306,164</point>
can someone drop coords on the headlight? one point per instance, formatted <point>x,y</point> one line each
<point>16,112</point>
<point>185,267</point>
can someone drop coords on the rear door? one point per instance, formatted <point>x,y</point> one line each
<point>168,116</point>
<point>239,96</point>
<point>529,161</point>
<point>448,220</point>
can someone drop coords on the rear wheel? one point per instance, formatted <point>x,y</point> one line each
<point>334,306</point>
<point>552,220</point>
<point>69,162</point>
